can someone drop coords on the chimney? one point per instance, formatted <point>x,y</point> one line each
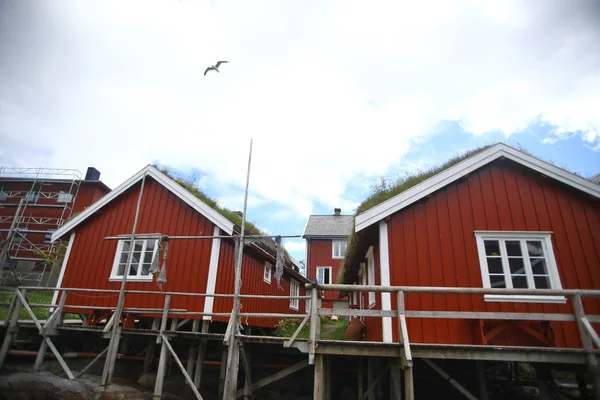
<point>92,174</point>
<point>337,211</point>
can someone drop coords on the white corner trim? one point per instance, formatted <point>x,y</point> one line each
<point>211,281</point>
<point>384,270</point>
<point>465,167</point>
<point>503,298</point>
<point>63,267</point>
<point>164,180</point>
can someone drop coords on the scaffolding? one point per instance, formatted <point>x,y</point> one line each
<point>43,199</point>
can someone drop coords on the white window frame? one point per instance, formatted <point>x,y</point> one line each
<point>330,277</point>
<point>64,197</point>
<point>294,291</point>
<point>268,272</point>
<point>337,245</point>
<point>502,236</point>
<point>371,275</point>
<point>133,278</point>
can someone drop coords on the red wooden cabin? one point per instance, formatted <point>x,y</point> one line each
<point>326,237</point>
<point>192,265</point>
<point>498,219</point>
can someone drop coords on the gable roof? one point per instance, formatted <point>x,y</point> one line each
<point>444,178</point>
<point>188,198</point>
<point>330,226</point>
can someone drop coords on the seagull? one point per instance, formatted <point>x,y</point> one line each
<point>215,67</point>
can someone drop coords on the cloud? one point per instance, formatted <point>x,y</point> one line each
<point>296,246</point>
<point>332,92</point>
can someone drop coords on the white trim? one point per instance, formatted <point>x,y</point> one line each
<point>164,180</point>
<point>268,266</point>
<point>294,284</point>
<point>384,271</point>
<point>305,225</point>
<point>465,167</point>
<point>330,276</point>
<point>502,298</point>
<point>211,280</point>
<point>114,277</point>
<point>343,243</point>
<point>372,299</point>
<point>545,238</point>
<point>63,267</point>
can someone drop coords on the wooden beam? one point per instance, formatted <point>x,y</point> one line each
<point>192,349</point>
<point>591,361</point>
<point>409,385</point>
<point>373,385</point>
<point>319,378</point>
<point>87,367</point>
<point>315,326</point>
<point>245,357</point>
<point>395,380</point>
<point>481,380</point>
<point>180,365</point>
<point>276,376</point>
<point>304,321</point>
<point>591,331</point>
<point>201,353</point>
<point>39,360</point>
<point>360,379</point>
<point>450,380</point>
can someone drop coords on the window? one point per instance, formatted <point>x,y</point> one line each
<point>64,197</point>
<point>48,236</point>
<point>32,196</point>
<point>267,272</point>
<point>371,275</point>
<point>518,260</point>
<point>294,291</point>
<point>339,248</point>
<point>3,196</point>
<point>18,236</point>
<point>144,252</point>
<point>324,275</point>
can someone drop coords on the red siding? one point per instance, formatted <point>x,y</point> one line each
<point>432,243</point>
<point>253,283</point>
<point>91,258</point>
<point>320,254</point>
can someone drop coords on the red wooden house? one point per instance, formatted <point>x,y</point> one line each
<point>192,265</point>
<point>326,237</point>
<point>497,219</point>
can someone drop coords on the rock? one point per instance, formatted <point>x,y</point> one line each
<point>147,381</point>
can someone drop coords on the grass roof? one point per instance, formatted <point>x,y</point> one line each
<point>385,190</point>
<point>190,185</point>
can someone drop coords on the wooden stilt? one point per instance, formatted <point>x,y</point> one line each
<point>481,379</point>
<point>245,357</point>
<point>591,361</point>
<point>276,376</point>
<point>371,373</point>
<point>192,350</point>
<point>149,357</point>
<point>371,392</point>
<point>582,386</point>
<point>201,353</point>
<point>360,379</point>
<point>12,328</point>
<point>328,377</point>
<point>87,367</point>
<point>395,380</point>
<point>223,372</point>
<point>160,373</point>
<point>409,388</point>
<point>39,360</point>
<point>543,375</point>
<point>319,379</point>
<point>450,380</point>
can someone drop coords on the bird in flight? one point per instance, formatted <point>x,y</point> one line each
<point>214,67</point>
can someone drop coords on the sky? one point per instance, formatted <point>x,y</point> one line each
<point>334,94</point>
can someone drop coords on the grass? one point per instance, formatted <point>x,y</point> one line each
<point>330,330</point>
<point>33,297</point>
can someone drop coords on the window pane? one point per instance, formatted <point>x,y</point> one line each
<point>541,282</point>
<point>492,248</point>
<point>327,278</point>
<point>121,269</point>
<point>534,247</point>
<point>494,265</point>
<point>538,266</point>
<point>519,282</point>
<point>516,266</point>
<point>497,281</point>
<point>513,248</point>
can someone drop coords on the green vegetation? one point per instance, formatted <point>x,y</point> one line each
<point>386,189</point>
<point>190,185</point>
<point>330,329</point>
<point>33,297</point>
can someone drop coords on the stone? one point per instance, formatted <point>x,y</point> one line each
<point>147,381</point>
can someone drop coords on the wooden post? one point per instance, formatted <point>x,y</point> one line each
<point>591,361</point>
<point>319,379</point>
<point>361,389</point>
<point>201,353</point>
<point>395,384</point>
<point>409,388</point>
<point>245,356</point>
<point>328,377</point>
<point>223,372</point>
<point>162,361</point>
<point>12,327</point>
<point>371,375</point>
<point>483,392</point>
<point>192,349</point>
<point>149,356</point>
<point>39,360</point>
<point>315,324</point>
